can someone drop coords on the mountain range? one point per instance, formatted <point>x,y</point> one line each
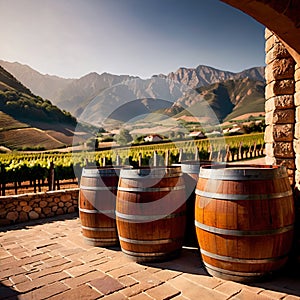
<point>204,93</point>
<point>204,75</point>
<point>75,95</point>
<point>232,98</point>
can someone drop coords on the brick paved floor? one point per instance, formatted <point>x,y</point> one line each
<point>49,260</point>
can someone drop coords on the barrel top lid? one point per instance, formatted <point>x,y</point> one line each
<point>100,171</point>
<point>242,172</point>
<point>150,172</point>
<point>192,166</point>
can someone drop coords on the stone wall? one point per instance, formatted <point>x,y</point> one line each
<point>297,158</point>
<point>279,107</point>
<point>297,127</point>
<point>21,208</point>
<point>282,135</point>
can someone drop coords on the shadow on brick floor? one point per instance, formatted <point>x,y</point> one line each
<point>7,292</point>
<point>286,280</point>
<point>189,261</point>
<point>31,223</point>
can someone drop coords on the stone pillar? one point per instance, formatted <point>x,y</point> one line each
<point>297,127</point>
<point>279,107</point>
<point>297,162</point>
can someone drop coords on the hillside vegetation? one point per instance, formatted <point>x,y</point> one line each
<point>26,118</point>
<point>18,101</point>
<point>227,99</point>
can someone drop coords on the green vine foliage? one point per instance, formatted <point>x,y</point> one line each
<point>17,167</point>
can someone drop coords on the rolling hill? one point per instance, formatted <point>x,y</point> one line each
<point>28,121</point>
<point>228,99</point>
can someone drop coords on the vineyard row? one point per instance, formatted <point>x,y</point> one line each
<point>48,168</point>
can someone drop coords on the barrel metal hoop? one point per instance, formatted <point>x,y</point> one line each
<point>101,240</point>
<point>100,176</point>
<point>237,197</point>
<point>242,174</point>
<point>234,273</point>
<point>155,173</point>
<point>162,189</point>
<point>242,260</point>
<point>144,254</point>
<point>99,173</point>
<point>190,168</point>
<point>138,177</point>
<point>147,242</point>
<point>94,211</point>
<point>135,218</point>
<point>98,188</point>
<point>111,229</point>
<point>243,232</point>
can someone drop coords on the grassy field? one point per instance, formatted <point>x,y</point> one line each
<point>16,135</point>
<point>7,122</point>
<point>28,138</point>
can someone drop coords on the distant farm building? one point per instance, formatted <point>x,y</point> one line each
<point>197,134</point>
<point>153,138</point>
<point>213,133</point>
<point>236,129</point>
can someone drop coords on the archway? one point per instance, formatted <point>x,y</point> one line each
<point>282,136</point>
<point>281,17</point>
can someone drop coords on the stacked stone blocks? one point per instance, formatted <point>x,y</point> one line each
<point>297,126</point>
<point>282,135</point>
<point>280,107</point>
<point>24,207</point>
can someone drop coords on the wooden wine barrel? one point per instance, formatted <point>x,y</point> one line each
<point>244,217</point>
<point>190,170</point>
<point>97,204</point>
<point>150,213</point>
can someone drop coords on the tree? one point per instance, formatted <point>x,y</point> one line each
<point>124,137</point>
<point>255,127</point>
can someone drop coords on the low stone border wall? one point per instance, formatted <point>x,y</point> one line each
<point>24,207</point>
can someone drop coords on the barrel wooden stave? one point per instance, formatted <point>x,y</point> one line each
<point>158,238</point>
<point>97,198</point>
<point>249,234</point>
<point>252,214</point>
<point>252,250</point>
<point>147,230</point>
<point>98,229</point>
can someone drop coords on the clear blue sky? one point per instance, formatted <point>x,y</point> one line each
<point>71,38</point>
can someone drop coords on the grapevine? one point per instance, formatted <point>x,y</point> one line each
<point>31,166</point>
